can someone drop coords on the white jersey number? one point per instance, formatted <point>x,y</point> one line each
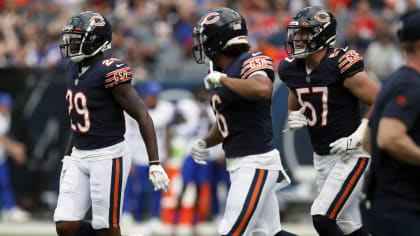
<point>79,102</point>
<point>324,100</point>
<point>220,118</point>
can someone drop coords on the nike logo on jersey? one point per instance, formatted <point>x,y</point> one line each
<point>119,65</point>
<point>255,54</point>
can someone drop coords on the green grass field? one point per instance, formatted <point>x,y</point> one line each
<point>45,228</point>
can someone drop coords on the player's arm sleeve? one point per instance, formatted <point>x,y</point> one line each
<point>118,73</point>
<point>257,63</point>
<point>350,63</point>
<point>403,104</point>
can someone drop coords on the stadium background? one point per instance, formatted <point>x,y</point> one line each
<point>154,37</point>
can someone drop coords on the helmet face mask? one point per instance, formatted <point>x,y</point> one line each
<point>300,41</point>
<point>197,49</point>
<point>311,30</point>
<point>85,35</point>
<point>72,47</point>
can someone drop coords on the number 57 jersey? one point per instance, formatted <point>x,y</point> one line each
<point>97,120</point>
<point>332,110</point>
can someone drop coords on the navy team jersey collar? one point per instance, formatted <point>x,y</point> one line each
<point>301,62</point>
<point>233,61</point>
<point>93,65</point>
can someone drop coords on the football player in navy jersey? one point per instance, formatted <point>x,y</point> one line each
<point>325,87</point>
<point>241,84</point>
<point>96,164</point>
<point>394,141</point>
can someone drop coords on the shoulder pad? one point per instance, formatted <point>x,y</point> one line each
<point>284,65</point>
<point>350,63</point>
<point>257,61</point>
<point>117,72</point>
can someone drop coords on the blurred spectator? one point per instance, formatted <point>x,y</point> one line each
<point>296,5</point>
<point>374,3</point>
<point>337,5</point>
<point>364,21</point>
<point>11,212</point>
<point>352,39</point>
<point>184,27</point>
<point>8,38</point>
<point>383,56</point>
<point>283,18</point>
<point>44,52</point>
<point>155,36</point>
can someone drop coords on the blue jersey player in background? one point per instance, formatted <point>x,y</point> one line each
<point>241,87</point>
<point>96,165</point>
<point>325,87</point>
<point>394,141</point>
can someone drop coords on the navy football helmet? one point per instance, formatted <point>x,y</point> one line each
<point>310,30</point>
<point>216,30</point>
<point>85,35</point>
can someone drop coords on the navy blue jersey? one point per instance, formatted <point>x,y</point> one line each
<point>245,125</point>
<point>399,98</point>
<point>332,110</point>
<point>97,120</point>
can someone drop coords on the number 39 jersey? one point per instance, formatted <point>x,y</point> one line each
<point>245,125</point>
<point>97,120</point>
<point>332,110</point>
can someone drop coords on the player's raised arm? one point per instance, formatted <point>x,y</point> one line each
<point>255,82</point>
<point>258,87</point>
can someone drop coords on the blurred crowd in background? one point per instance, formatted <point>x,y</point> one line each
<point>154,36</point>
